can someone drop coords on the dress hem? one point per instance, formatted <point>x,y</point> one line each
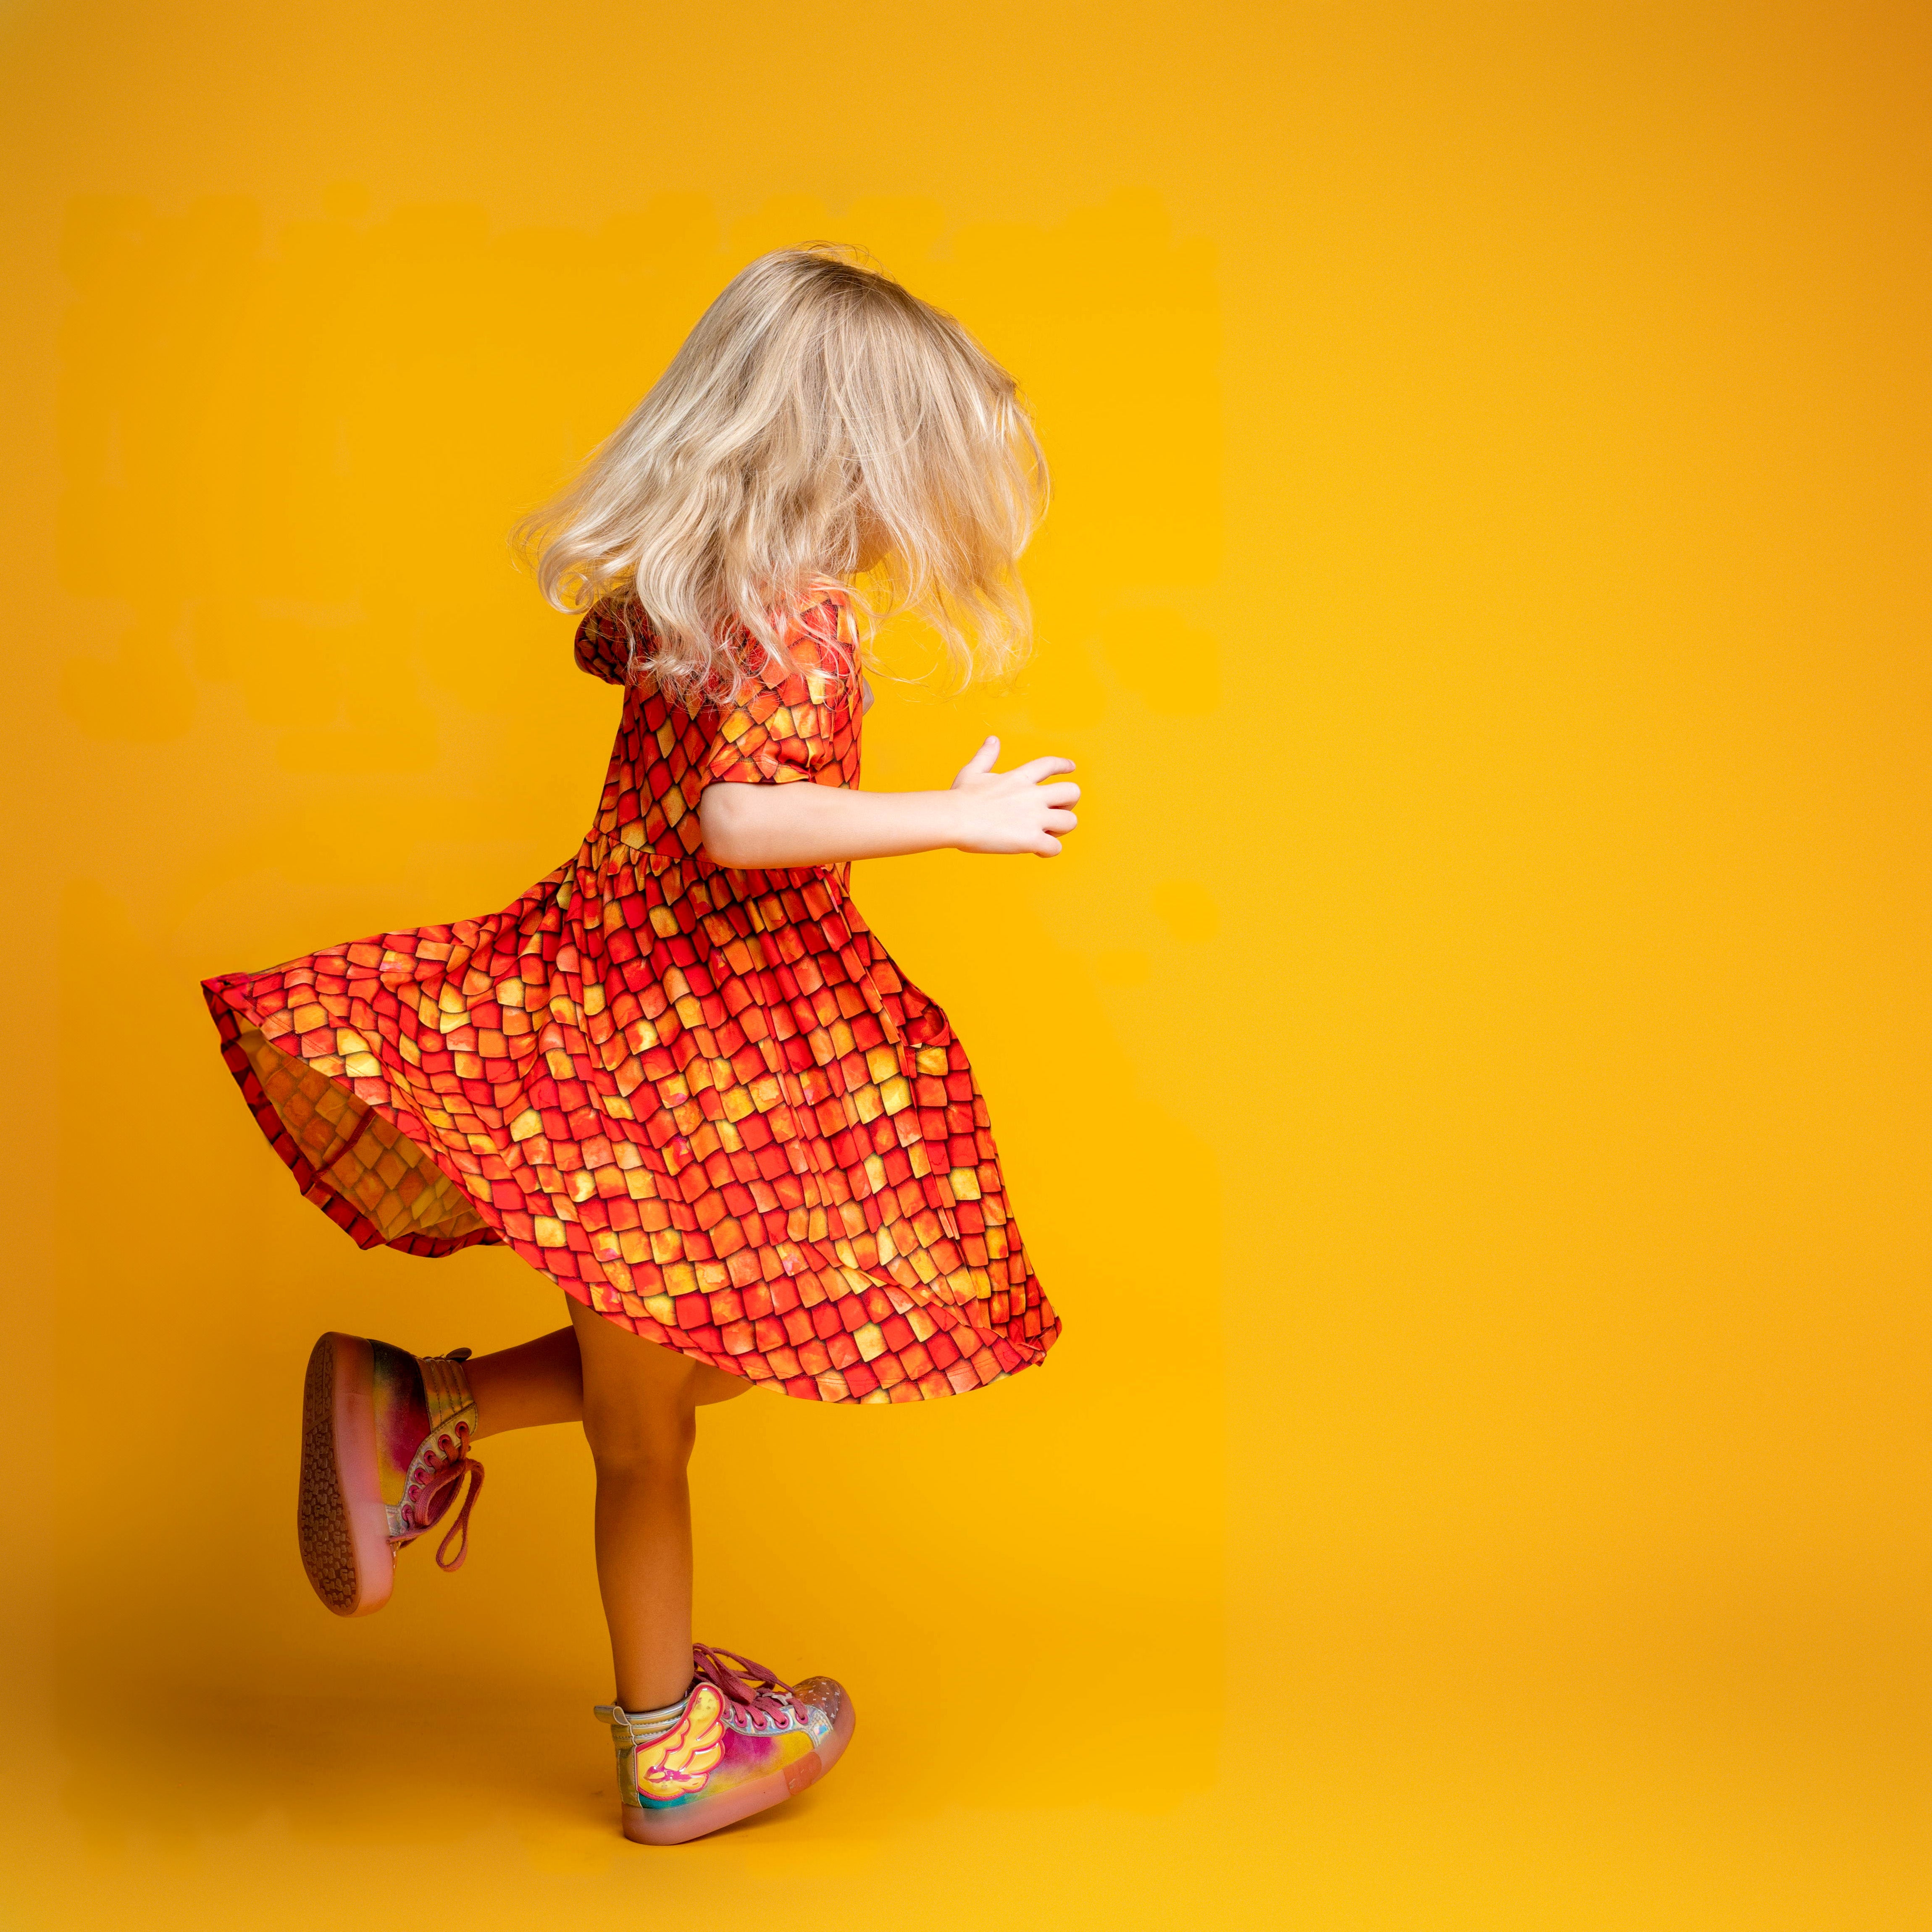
<point>229,1008</point>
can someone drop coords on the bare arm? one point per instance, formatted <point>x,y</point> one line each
<point>983,811</point>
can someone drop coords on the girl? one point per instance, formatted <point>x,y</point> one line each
<point>680,1076</point>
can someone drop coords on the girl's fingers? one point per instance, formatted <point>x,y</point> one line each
<point>1061,821</point>
<point>1063,794</point>
<point>1047,848</point>
<point>1032,772</point>
<point>982,760</point>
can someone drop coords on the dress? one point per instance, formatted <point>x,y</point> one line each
<point>703,1100</point>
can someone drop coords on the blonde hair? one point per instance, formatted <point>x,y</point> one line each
<point>817,412</point>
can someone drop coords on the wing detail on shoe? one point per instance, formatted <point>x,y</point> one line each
<point>677,1764</point>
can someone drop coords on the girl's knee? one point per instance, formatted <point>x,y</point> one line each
<point>627,1439</point>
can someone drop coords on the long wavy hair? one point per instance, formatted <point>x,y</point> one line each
<point>820,424</point>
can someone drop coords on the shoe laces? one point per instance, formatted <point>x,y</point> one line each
<point>763,1697</point>
<point>451,1462</point>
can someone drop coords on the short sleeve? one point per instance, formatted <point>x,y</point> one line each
<point>786,725</point>
<point>604,642</point>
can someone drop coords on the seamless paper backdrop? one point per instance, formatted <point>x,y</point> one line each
<point>1464,1085</point>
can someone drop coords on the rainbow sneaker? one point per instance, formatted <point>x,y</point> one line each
<point>739,1740</point>
<point>385,1445</point>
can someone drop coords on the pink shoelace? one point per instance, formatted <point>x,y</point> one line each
<point>758,1691</point>
<point>455,1466</point>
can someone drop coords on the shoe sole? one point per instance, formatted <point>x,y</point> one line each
<point>759,1794</point>
<point>340,1523</point>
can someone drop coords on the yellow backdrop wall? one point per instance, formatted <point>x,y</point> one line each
<point>1465,1087</point>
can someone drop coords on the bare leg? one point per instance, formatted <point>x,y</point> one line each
<point>524,1387</point>
<point>640,1405</point>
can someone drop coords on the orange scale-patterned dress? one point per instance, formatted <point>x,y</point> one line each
<point>703,1100</point>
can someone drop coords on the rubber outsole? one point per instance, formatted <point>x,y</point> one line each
<point>341,1526</point>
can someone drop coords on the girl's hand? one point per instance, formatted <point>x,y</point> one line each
<point>984,811</point>
<point>1013,811</point>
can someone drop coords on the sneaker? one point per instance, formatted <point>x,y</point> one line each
<point>739,1740</point>
<point>385,1447</point>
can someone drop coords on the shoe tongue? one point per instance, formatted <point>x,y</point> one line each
<point>747,1689</point>
<point>445,1387</point>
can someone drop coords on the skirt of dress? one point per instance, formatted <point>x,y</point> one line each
<point>703,1101</point>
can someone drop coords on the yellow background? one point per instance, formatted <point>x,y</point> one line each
<point>1465,1087</point>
